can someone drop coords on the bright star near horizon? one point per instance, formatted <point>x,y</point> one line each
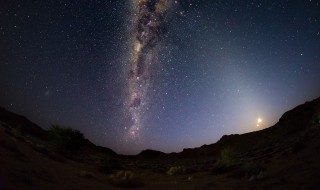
<point>259,121</point>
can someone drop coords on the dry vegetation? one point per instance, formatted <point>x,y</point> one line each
<point>285,156</point>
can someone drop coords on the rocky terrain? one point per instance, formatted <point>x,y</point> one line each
<point>284,156</point>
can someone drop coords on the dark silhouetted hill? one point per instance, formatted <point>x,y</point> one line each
<point>26,127</point>
<point>151,154</point>
<point>21,123</point>
<point>300,123</point>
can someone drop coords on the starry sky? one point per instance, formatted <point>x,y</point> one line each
<point>156,74</point>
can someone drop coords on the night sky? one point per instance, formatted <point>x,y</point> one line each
<point>157,74</point>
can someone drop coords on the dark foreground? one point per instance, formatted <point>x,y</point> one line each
<point>284,156</point>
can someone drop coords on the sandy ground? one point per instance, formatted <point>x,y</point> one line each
<point>25,168</point>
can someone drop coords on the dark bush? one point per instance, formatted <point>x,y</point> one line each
<point>125,179</point>
<point>227,162</point>
<point>228,157</point>
<point>177,170</point>
<point>108,165</point>
<point>64,139</point>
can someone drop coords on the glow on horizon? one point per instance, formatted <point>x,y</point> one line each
<point>259,121</point>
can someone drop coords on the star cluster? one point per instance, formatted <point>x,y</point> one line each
<point>165,75</point>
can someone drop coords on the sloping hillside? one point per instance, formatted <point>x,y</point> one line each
<point>284,156</point>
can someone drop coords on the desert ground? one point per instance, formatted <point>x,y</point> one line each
<point>283,156</point>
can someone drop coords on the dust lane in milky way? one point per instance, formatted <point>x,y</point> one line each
<point>148,28</point>
<point>147,32</point>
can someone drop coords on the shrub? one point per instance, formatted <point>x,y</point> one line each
<point>253,171</point>
<point>126,179</point>
<point>317,120</point>
<point>227,162</point>
<point>176,170</point>
<point>228,157</point>
<point>86,174</point>
<point>64,139</point>
<point>190,178</point>
<point>108,165</point>
<point>257,177</point>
